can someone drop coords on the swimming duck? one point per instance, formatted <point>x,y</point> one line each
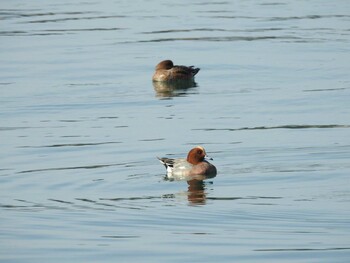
<point>168,72</point>
<point>193,167</point>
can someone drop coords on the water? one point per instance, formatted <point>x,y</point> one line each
<point>82,124</point>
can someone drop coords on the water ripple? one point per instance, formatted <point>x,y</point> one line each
<point>306,17</point>
<point>74,18</point>
<point>326,126</point>
<point>186,30</point>
<point>49,32</point>
<point>69,145</point>
<point>119,237</point>
<point>221,39</point>
<point>75,167</point>
<point>317,90</point>
<point>14,13</point>
<point>301,249</point>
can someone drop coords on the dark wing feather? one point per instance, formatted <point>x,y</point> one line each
<point>167,162</point>
<point>186,70</point>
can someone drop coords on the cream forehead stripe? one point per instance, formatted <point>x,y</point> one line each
<point>200,147</point>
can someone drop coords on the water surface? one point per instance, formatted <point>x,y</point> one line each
<point>82,124</point>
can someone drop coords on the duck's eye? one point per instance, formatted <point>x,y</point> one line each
<point>200,152</point>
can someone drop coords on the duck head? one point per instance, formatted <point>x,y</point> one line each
<point>196,155</point>
<point>165,64</point>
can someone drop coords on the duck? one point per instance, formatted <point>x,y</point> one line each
<point>195,166</point>
<point>166,71</point>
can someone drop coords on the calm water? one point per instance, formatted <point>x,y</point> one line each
<point>81,126</point>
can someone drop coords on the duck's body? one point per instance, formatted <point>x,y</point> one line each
<point>166,71</point>
<point>194,165</point>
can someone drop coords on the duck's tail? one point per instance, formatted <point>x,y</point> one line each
<point>194,70</point>
<point>167,162</point>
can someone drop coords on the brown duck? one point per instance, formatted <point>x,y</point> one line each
<point>166,71</point>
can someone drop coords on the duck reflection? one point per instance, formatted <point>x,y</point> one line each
<point>172,89</point>
<point>196,192</point>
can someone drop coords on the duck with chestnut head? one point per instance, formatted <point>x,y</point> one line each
<point>195,166</point>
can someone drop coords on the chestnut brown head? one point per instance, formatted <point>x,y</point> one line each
<point>196,155</point>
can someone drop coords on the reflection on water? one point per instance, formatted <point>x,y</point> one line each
<point>173,89</point>
<point>196,192</point>
<point>189,178</point>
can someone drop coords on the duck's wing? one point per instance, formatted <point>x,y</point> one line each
<point>186,70</point>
